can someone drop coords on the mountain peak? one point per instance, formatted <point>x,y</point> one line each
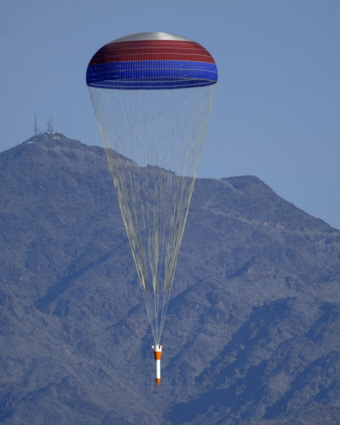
<point>52,139</point>
<point>252,330</point>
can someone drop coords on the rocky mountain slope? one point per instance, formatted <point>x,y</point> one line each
<point>252,333</point>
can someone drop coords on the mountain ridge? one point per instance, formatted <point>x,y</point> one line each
<point>252,330</point>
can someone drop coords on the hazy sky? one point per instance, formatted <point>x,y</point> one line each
<point>277,104</point>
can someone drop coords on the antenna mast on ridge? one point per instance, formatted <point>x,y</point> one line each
<point>50,126</point>
<point>35,126</point>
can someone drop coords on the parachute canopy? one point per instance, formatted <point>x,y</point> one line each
<point>151,61</point>
<point>152,95</point>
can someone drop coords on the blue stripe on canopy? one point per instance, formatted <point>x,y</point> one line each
<point>151,75</point>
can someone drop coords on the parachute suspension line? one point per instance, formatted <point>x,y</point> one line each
<point>153,141</point>
<point>168,285</point>
<point>147,295</point>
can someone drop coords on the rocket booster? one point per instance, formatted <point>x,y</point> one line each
<point>157,351</point>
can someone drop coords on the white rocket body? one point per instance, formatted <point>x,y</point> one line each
<point>157,351</point>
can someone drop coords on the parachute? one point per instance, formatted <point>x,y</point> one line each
<point>152,94</point>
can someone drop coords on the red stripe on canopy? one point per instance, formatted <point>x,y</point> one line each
<point>128,51</point>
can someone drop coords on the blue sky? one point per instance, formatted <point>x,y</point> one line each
<point>277,104</point>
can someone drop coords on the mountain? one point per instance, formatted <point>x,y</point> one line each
<point>253,326</point>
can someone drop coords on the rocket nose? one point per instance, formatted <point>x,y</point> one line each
<point>158,381</point>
